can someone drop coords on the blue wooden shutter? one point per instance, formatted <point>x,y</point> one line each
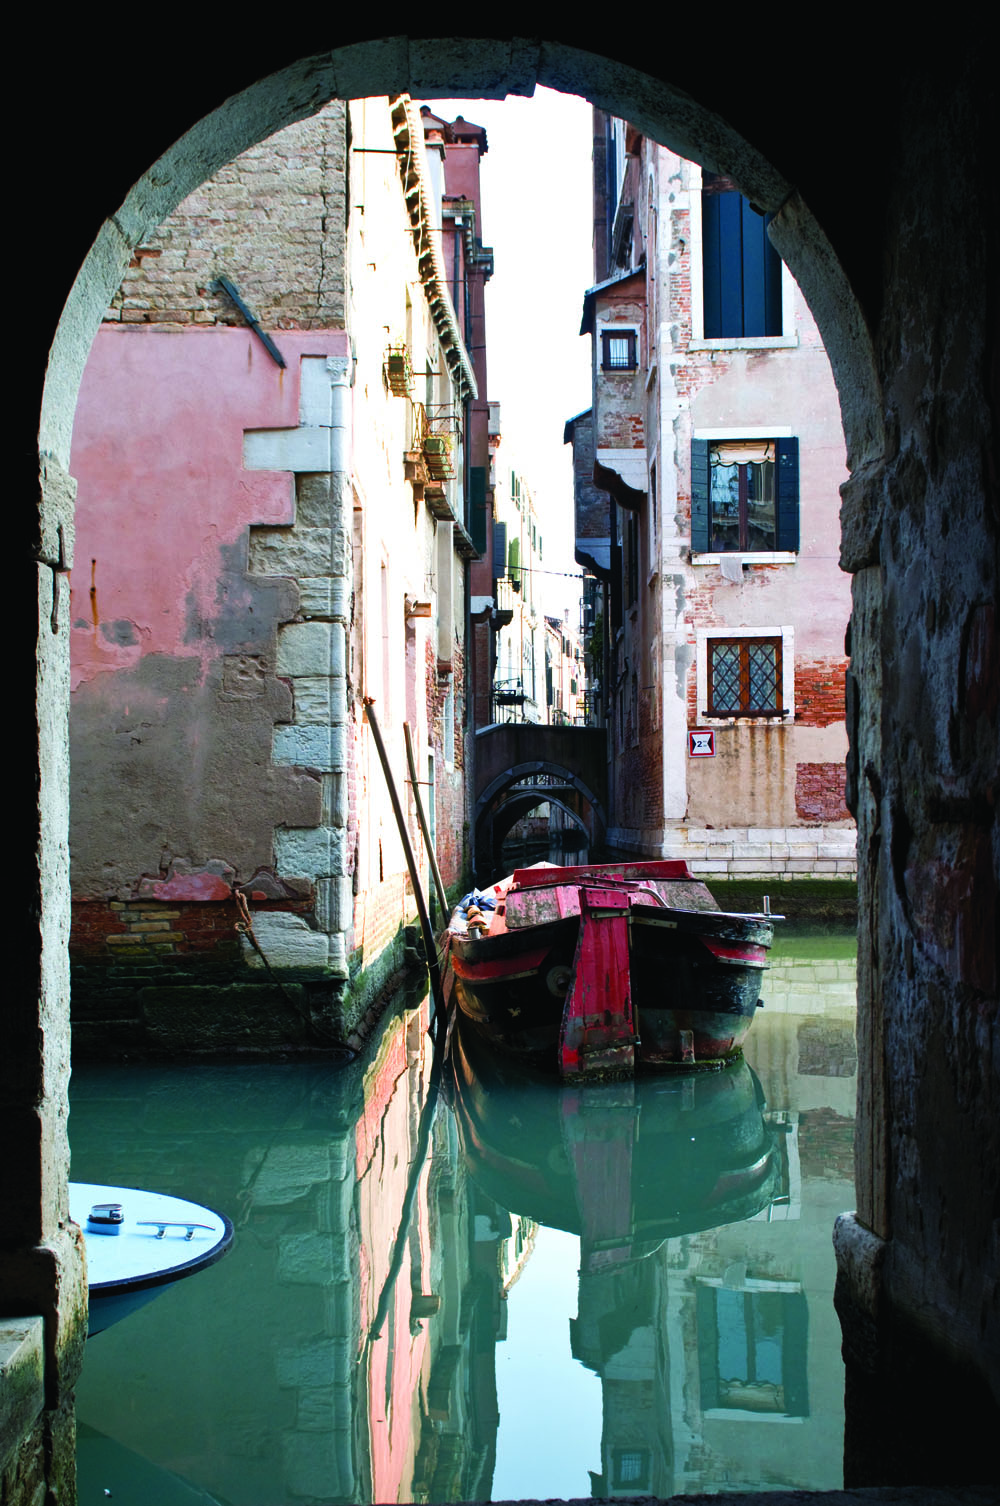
<point>700,508</point>
<point>721,257</point>
<point>761,267</point>
<point>786,496</point>
<point>772,286</point>
<point>742,270</point>
<point>710,264</point>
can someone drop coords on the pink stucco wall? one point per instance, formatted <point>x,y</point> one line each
<point>158,455</point>
<point>175,697</point>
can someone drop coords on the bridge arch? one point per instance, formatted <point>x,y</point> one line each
<point>488,831</point>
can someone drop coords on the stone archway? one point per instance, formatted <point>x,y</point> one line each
<point>920,539</point>
<point>489,832</point>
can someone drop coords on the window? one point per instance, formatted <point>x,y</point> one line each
<point>745,677</point>
<point>631,1468</point>
<point>619,350</point>
<point>744,496</point>
<point>741,496</point>
<point>753,1344</point>
<point>742,270</point>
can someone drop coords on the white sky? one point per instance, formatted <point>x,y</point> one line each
<point>538,217</point>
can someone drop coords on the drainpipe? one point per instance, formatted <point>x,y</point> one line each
<point>340,916</point>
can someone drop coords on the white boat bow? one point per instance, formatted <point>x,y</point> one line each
<point>139,1243</point>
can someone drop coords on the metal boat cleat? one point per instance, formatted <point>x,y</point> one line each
<point>105,1218</point>
<point>161,1225</point>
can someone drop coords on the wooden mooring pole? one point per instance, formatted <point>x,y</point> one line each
<point>430,944</point>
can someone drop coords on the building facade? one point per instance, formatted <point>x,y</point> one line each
<point>275,444</point>
<point>707,476</point>
<point>519,677</point>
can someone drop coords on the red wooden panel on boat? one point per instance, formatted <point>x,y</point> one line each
<point>535,907</point>
<point>598,1032</point>
<point>546,874</point>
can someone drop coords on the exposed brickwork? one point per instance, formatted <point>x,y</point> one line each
<point>273,222</point>
<point>143,927</point>
<point>819,691</point>
<point>826,1145</point>
<point>819,792</point>
<point>120,950</point>
<point>825,1048</point>
<point>379,913</point>
<point>620,398</point>
<point>651,764</point>
<point>451,816</point>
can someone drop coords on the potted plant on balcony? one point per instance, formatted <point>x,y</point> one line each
<point>398,371</point>
<point>439,456</point>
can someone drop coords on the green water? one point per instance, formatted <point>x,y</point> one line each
<point>623,1290</point>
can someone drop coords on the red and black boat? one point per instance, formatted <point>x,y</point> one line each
<point>597,970</point>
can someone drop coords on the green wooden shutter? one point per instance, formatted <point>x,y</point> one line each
<point>786,496</point>
<point>477,507</point>
<point>499,550</point>
<point>700,511</point>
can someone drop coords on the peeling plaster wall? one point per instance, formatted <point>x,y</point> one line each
<point>645,421</point>
<point>174,641</point>
<point>214,684</point>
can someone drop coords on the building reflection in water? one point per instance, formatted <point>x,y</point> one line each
<point>347,1349</point>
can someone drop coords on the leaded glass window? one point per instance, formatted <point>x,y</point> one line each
<point>744,677</point>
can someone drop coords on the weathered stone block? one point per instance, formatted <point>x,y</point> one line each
<point>286,941</point>
<point>290,551</point>
<point>288,1173</point>
<point>321,1363</point>
<point>301,449</point>
<point>22,1380</point>
<point>306,1259</point>
<point>187,1018</point>
<point>313,700</point>
<point>310,747</point>
<point>310,852</point>
<point>304,648</point>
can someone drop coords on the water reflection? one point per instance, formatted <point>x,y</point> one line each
<point>349,1348</point>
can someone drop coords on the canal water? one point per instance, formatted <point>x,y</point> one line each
<point>449,1283</point>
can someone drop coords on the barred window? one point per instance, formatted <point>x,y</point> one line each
<point>618,350</point>
<point>744,677</point>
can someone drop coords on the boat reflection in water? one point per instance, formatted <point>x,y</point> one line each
<point>628,1167</point>
<point>625,1165</point>
<point>372,1336</point>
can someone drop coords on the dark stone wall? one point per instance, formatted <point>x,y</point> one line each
<point>923,701</point>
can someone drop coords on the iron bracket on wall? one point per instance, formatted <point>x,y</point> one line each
<point>231,292</point>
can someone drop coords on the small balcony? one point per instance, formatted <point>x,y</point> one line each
<point>439,456</point>
<point>398,370</point>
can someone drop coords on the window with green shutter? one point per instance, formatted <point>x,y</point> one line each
<point>744,496</point>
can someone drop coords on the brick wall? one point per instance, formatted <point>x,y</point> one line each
<point>819,691</point>
<point>379,913</point>
<point>451,815</point>
<point>819,792</point>
<point>122,951</point>
<point>273,222</point>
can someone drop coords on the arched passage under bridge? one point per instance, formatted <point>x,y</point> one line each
<point>515,764</point>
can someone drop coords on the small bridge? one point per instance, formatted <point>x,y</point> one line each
<point>521,764</point>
